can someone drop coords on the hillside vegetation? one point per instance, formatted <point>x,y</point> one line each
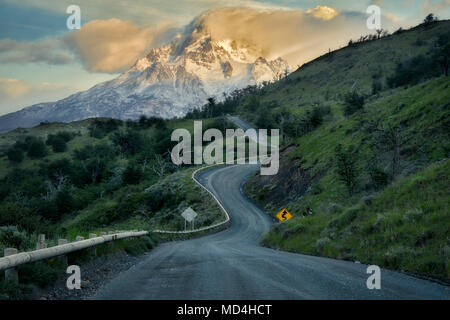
<point>364,164</point>
<point>65,180</point>
<point>366,142</point>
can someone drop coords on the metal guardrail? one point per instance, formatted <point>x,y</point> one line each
<point>227,216</point>
<point>59,250</point>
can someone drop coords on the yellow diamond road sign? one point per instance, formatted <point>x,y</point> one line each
<point>284,215</point>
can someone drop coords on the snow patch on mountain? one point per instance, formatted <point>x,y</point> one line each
<point>168,82</point>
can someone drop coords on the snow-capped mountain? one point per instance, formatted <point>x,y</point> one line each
<point>168,82</point>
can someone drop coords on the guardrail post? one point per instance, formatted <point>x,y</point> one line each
<point>79,238</point>
<point>11,274</point>
<point>94,249</point>
<point>41,244</point>
<point>63,258</point>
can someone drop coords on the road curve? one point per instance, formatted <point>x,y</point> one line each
<point>232,265</point>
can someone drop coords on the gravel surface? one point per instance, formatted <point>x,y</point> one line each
<point>231,264</point>
<point>94,274</point>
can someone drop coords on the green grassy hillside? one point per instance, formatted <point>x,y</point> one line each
<point>108,175</point>
<point>69,180</point>
<point>373,174</point>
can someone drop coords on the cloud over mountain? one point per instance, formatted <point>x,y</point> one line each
<point>296,35</point>
<point>113,45</point>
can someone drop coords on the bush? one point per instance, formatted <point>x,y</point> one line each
<point>132,174</point>
<point>64,201</point>
<point>379,178</point>
<point>321,243</point>
<point>39,273</point>
<point>138,246</point>
<point>346,167</point>
<point>101,128</point>
<point>15,154</point>
<point>161,140</point>
<point>395,256</point>
<point>11,237</point>
<point>413,71</point>
<point>58,141</point>
<point>36,148</point>
<point>353,102</point>
<point>12,291</point>
<point>128,141</point>
<point>101,150</point>
<point>58,144</point>
<point>377,86</point>
<point>413,215</point>
<point>344,219</point>
<point>12,214</point>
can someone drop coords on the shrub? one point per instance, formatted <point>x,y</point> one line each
<point>161,140</point>
<point>12,291</point>
<point>128,141</point>
<point>101,128</point>
<point>321,243</point>
<point>11,237</point>
<point>58,141</point>
<point>346,167</point>
<point>395,256</point>
<point>132,174</point>
<point>345,218</point>
<point>376,225</point>
<point>413,215</point>
<point>101,150</point>
<point>15,154</point>
<point>13,214</point>
<point>377,86</point>
<point>39,273</point>
<point>64,201</point>
<point>378,177</point>
<point>36,148</point>
<point>58,144</point>
<point>136,246</point>
<point>353,102</point>
<point>413,71</point>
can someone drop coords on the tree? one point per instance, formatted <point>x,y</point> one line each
<point>429,19</point>
<point>442,53</point>
<point>346,167</point>
<point>15,155</point>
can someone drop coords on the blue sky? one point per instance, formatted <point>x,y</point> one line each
<point>41,60</point>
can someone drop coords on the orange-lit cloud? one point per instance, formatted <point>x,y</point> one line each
<point>296,35</point>
<point>323,12</point>
<point>113,45</point>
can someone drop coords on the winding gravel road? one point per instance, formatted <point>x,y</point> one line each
<point>232,265</point>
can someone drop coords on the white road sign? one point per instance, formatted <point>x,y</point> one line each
<point>189,214</point>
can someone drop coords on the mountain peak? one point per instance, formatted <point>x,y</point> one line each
<point>168,82</point>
